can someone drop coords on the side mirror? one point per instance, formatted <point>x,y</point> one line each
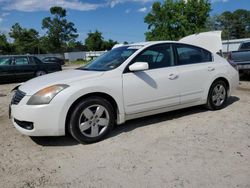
<point>138,66</point>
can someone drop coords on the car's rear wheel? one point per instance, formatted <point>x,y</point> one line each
<point>91,120</point>
<point>217,96</point>
<point>40,73</point>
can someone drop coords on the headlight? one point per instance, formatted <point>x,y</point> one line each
<point>45,95</point>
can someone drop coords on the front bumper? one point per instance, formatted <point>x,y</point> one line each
<point>45,118</point>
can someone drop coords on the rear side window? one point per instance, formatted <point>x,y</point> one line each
<point>157,56</point>
<point>21,61</point>
<point>192,55</point>
<point>36,60</point>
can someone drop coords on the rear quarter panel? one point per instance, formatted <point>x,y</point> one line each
<point>223,70</point>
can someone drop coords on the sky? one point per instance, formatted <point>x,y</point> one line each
<point>120,20</point>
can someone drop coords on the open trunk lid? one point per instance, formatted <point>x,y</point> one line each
<point>208,40</point>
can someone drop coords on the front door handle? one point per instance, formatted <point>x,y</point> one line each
<point>172,76</point>
<point>211,69</point>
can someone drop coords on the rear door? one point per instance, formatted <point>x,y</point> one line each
<point>7,70</point>
<point>196,69</point>
<point>25,68</point>
<point>47,67</point>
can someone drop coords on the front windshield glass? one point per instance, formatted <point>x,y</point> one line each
<point>110,60</point>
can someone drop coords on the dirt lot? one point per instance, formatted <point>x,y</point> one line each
<point>193,147</point>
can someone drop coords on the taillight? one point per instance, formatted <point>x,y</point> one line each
<point>231,62</point>
<point>229,56</point>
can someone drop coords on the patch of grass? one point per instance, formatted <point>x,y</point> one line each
<point>78,62</point>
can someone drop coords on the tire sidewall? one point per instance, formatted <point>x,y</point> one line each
<point>210,101</point>
<point>75,115</point>
<point>37,73</point>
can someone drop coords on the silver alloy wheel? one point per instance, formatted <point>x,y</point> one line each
<point>218,95</point>
<point>93,121</point>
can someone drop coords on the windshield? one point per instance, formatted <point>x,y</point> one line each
<point>110,60</point>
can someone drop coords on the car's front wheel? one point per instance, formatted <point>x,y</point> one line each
<point>217,96</point>
<point>91,120</point>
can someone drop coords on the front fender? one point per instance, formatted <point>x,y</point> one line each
<point>69,96</point>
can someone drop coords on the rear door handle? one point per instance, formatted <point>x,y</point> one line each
<point>211,69</point>
<point>172,76</point>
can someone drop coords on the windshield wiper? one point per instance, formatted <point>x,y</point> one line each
<point>87,69</point>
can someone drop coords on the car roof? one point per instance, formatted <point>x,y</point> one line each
<point>17,56</point>
<point>210,41</point>
<point>143,44</point>
<point>151,43</point>
<point>52,57</point>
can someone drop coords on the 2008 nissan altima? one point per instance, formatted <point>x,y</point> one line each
<point>128,82</point>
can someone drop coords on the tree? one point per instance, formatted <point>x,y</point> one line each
<point>59,31</point>
<point>235,24</point>
<point>175,19</point>
<point>108,45</point>
<point>94,41</point>
<point>4,44</point>
<point>212,23</point>
<point>76,46</point>
<point>25,40</point>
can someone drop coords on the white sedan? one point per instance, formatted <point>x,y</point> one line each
<point>127,82</point>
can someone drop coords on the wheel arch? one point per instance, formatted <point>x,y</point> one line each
<point>94,94</point>
<point>222,78</point>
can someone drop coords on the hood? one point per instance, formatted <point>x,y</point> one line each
<point>63,77</point>
<point>208,40</point>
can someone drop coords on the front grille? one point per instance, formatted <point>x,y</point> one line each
<point>17,97</point>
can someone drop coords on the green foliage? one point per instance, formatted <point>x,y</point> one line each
<point>235,24</point>
<point>108,45</point>
<point>77,62</point>
<point>175,19</point>
<point>76,46</point>
<point>170,20</point>
<point>59,31</point>
<point>25,40</point>
<point>95,42</point>
<point>5,47</point>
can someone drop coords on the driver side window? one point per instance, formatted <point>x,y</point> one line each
<point>157,56</point>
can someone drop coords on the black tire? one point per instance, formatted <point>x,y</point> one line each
<point>40,73</point>
<point>220,103</point>
<point>78,119</point>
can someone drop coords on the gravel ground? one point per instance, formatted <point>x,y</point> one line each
<point>192,147</point>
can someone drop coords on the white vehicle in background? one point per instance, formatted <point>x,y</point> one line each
<point>128,82</point>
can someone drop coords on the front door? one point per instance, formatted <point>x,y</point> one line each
<point>154,88</point>
<point>7,70</point>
